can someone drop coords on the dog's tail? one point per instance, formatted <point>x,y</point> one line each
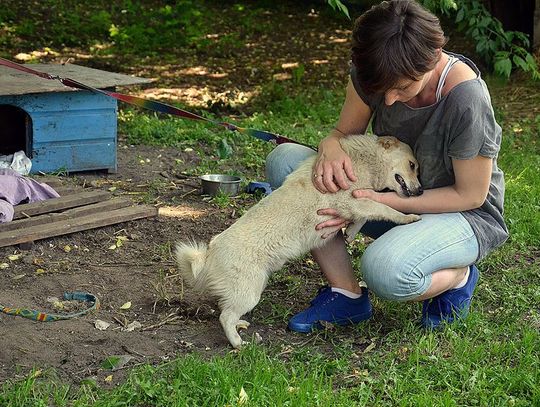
<point>191,258</point>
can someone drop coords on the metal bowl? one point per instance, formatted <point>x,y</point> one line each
<point>213,183</point>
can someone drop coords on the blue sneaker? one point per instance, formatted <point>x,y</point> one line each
<point>332,307</point>
<point>451,305</point>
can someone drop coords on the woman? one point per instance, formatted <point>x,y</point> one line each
<point>435,101</point>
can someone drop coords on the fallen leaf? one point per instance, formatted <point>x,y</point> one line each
<point>370,347</point>
<point>18,276</point>
<point>242,397</point>
<point>115,362</point>
<point>110,362</point>
<point>101,325</point>
<point>132,326</point>
<point>126,305</point>
<point>40,271</point>
<point>67,248</point>
<point>109,378</point>
<point>119,242</point>
<point>4,266</point>
<point>14,257</point>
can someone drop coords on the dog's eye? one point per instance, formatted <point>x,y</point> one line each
<point>412,165</point>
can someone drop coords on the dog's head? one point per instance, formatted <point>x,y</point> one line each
<point>401,167</point>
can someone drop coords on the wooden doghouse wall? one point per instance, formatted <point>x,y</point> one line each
<point>70,131</point>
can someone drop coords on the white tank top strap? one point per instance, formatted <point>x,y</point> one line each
<point>451,62</point>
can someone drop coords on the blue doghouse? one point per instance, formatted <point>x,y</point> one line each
<point>60,128</point>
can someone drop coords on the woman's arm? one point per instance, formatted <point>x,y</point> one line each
<point>472,179</point>
<point>333,166</point>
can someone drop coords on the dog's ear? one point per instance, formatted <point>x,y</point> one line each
<point>387,142</point>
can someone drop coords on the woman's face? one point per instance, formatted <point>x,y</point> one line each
<point>406,89</point>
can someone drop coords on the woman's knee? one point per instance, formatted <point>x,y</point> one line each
<point>398,265</point>
<point>283,160</point>
<point>392,278</point>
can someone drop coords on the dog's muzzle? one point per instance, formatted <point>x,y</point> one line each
<point>405,187</point>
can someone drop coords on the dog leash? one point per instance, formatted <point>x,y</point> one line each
<point>155,106</point>
<point>45,317</point>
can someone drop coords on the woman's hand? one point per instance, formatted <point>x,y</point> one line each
<point>332,225</point>
<point>336,222</point>
<point>332,170</point>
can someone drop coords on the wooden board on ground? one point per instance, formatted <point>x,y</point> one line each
<point>76,211</point>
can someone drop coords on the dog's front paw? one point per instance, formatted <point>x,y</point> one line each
<point>412,218</point>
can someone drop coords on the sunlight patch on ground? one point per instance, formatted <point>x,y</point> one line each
<point>35,55</point>
<point>182,212</point>
<point>282,76</point>
<point>289,65</point>
<point>319,61</point>
<point>338,40</point>
<point>199,96</point>
<point>201,71</point>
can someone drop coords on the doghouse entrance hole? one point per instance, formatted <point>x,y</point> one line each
<point>15,130</point>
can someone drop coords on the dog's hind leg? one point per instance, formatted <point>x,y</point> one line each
<point>230,318</point>
<point>234,307</point>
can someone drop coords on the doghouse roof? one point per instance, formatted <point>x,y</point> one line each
<point>14,82</point>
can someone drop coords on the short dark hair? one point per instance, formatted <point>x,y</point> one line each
<point>395,40</point>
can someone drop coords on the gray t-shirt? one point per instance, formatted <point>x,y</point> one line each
<point>461,126</point>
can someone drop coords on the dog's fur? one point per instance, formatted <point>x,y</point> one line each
<point>235,266</point>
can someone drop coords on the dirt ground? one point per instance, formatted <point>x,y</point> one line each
<point>132,262</point>
<point>139,270</point>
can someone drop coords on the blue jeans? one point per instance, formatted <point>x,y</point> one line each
<point>398,265</point>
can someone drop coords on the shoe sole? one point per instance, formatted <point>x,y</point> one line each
<point>434,323</point>
<point>307,328</point>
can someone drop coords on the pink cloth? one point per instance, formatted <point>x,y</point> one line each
<point>16,189</point>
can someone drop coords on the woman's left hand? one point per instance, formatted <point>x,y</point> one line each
<point>336,222</point>
<point>332,225</point>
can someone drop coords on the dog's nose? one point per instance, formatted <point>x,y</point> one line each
<point>419,191</point>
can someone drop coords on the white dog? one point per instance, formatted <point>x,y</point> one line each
<point>236,265</point>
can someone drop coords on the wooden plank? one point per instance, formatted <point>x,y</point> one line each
<point>49,180</point>
<point>108,205</point>
<point>58,185</point>
<point>68,226</point>
<point>67,190</point>
<point>14,82</point>
<point>58,204</point>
